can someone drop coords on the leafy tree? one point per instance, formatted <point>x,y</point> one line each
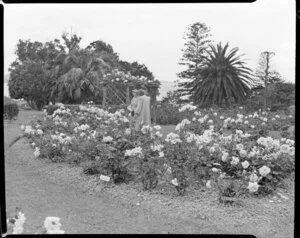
<point>172,97</point>
<point>196,46</point>
<point>105,51</point>
<point>223,79</point>
<point>30,72</point>
<point>136,69</point>
<point>265,67</point>
<point>78,73</point>
<point>27,81</point>
<point>265,75</point>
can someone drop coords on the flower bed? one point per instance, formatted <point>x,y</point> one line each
<point>226,150</point>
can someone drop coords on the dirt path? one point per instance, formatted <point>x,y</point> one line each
<point>42,188</point>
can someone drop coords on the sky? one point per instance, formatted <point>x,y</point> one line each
<point>152,34</point>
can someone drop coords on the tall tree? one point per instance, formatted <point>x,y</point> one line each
<point>77,72</point>
<point>223,78</point>
<point>265,74</point>
<point>30,72</point>
<point>194,52</point>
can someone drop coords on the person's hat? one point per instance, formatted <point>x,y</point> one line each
<point>134,90</point>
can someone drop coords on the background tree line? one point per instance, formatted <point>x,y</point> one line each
<point>61,70</point>
<point>218,75</point>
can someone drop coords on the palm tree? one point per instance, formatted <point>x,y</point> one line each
<point>223,78</point>
<point>77,73</point>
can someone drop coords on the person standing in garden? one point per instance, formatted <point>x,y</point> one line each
<point>142,111</point>
<point>132,106</point>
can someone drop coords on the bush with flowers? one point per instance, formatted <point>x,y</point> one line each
<point>15,225</point>
<point>221,149</point>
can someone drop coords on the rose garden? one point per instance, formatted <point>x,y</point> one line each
<point>223,141</point>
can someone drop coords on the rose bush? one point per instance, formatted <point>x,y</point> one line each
<point>231,149</point>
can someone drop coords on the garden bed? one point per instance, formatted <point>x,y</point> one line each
<point>264,217</point>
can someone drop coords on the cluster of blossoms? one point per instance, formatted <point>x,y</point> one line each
<point>28,130</point>
<point>182,124</point>
<point>203,119</point>
<point>254,179</point>
<point>204,139</point>
<point>94,110</point>
<point>53,225</point>
<point>158,147</point>
<point>62,138</point>
<point>146,129</point>
<point>137,151</point>
<point>173,138</point>
<point>59,121</point>
<point>83,127</point>
<point>275,145</point>
<point>37,152</point>
<point>62,111</point>
<point>188,107</point>
<point>127,131</point>
<point>126,77</point>
<point>18,223</point>
<point>107,139</point>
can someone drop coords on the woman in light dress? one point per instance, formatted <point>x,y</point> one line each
<point>142,111</point>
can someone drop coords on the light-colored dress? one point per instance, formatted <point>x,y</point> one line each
<point>132,106</point>
<point>143,112</point>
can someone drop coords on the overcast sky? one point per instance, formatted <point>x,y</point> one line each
<point>152,33</point>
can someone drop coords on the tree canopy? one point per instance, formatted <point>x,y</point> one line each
<point>64,71</point>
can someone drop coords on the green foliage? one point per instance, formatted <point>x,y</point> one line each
<point>51,108</point>
<point>224,79</point>
<point>136,69</point>
<point>27,81</point>
<point>279,97</point>
<point>264,64</point>
<point>197,40</point>
<point>173,97</point>
<point>64,72</point>
<point>10,111</point>
<point>31,71</point>
<point>168,114</point>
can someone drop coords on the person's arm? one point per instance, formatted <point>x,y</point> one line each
<point>131,106</point>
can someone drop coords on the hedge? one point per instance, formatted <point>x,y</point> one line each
<point>10,111</point>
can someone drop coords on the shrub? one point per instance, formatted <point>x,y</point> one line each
<point>51,108</point>
<point>10,111</point>
<point>167,114</point>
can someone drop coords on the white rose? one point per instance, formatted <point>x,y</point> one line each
<point>264,171</point>
<point>215,170</point>
<point>235,160</point>
<point>253,187</point>
<point>253,178</point>
<point>245,164</point>
<point>224,156</point>
<point>243,153</point>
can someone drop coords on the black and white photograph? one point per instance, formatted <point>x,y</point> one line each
<point>149,118</point>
